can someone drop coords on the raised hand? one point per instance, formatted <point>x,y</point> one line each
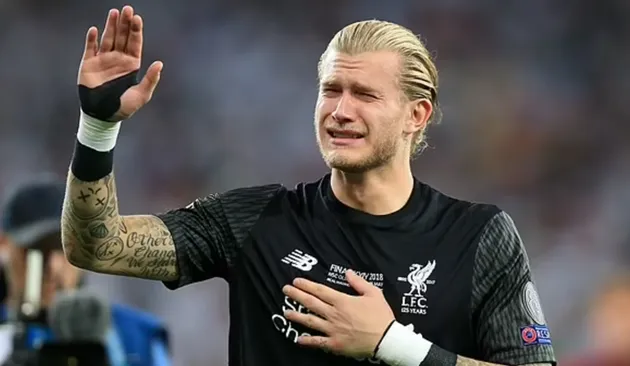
<point>108,71</point>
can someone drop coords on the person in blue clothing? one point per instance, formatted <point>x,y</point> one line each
<point>31,219</point>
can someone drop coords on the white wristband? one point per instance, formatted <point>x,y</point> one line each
<point>400,346</point>
<point>96,134</point>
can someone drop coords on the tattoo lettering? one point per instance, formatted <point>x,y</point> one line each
<point>99,231</point>
<point>145,240</point>
<point>110,249</point>
<point>153,263</point>
<point>152,255</point>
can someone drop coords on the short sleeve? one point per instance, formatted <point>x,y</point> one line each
<point>506,311</point>
<point>209,232</point>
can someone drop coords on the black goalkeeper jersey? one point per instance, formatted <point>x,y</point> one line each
<point>455,270</point>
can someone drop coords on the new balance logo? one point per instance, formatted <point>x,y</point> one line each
<point>300,260</point>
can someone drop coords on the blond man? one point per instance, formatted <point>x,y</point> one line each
<point>366,265</point>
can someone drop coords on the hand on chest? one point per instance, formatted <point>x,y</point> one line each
<point>409,286</point>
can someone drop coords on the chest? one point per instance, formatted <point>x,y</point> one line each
<point>425,275</point>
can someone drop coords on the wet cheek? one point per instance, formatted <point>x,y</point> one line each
<point>325,107</point>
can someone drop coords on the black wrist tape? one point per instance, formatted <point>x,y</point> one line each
<point>439,357</point>
<point>90,165</point>
<point>103,101</point>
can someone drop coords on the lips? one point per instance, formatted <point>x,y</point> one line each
<point>344,134</point>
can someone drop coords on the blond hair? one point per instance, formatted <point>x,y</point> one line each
<point>418,75</point>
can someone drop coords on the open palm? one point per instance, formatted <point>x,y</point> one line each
<point>119,53</point>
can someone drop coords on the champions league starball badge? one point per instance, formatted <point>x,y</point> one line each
<point>531,302</point>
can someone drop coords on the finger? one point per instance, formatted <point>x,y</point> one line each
<point>150,80</point>
<point>91,43</point>
<point>122,28</point>
<point>324,343</point>
<point>311,302</point>
<point>359,284</point>
<point>320,291</point>
<point>134,42</point>
<point>308,320</point>
<point>109,33</point>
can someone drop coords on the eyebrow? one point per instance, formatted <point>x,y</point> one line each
<point>355,86</point>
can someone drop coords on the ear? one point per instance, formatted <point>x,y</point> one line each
<point>420,110</point>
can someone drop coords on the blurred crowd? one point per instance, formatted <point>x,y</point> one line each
<point>534,95</point>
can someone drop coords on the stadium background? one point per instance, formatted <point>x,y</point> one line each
<point>534,95</point>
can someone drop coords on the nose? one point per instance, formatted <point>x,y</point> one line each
<point>344,111</point>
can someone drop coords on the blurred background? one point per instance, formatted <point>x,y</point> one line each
<point>534,95</point>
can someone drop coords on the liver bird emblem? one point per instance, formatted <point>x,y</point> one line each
<point>417,278</point>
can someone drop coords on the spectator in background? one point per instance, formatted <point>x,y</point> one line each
<point>609,319</point>
<point>31,219</point>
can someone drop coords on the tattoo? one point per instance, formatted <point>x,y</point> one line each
<point>115,261</point>
<point>463,361</point>
<point>83,197</point>
<point>90,202</point>
<point>99,231</point>
<point>97,238</point>
<point>153,253</point>
<point>122,227</point>
<point>111,212</point>
<point>135,240</point>
<point>110,249</point>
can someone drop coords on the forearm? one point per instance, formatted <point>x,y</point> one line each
<point>463,361</point>
<point>90,223</point>
<point>97,238</point>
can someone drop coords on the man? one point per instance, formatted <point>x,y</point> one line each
<point>455,272</point>
<point>31,221</point>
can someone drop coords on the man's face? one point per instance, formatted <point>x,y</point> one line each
<point>59,274</point>
<point>361,118</point>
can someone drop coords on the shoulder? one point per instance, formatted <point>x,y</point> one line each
<point>240,197</point>
<point>267,191</point>
<point>448,204</point>
<point>500,234</point>
<point>500,249</point>
<point>302,194</point>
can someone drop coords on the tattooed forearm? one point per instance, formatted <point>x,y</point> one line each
<point>86,219</point>
<point>463,361</point>
<point>97,238</point>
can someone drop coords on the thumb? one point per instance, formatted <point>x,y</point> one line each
<point>151,79</point>
<point>360,285</point>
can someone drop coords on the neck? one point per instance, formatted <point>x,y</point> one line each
<point>380,191</point>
